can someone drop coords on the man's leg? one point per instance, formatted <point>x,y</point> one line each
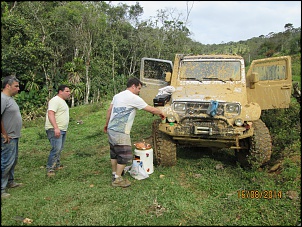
<point>124,156</point>
<point>11,177</point>
<point>58,160</point>
<point>119,169</point>
<point>56,144</point>
<point>7,161</point>
<point>113,165</point>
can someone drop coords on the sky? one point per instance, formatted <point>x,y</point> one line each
<point>216,22</point>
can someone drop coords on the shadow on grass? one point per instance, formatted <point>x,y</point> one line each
<point>225,156</point>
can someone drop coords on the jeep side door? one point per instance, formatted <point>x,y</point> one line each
<point>153,76</point>
<point>269,82</point>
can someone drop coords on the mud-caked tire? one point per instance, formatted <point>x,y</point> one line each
<point>163,146</point>
<point>259,147</point>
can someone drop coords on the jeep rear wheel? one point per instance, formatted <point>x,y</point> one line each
<point>259,147</point>
<point>163,146</point>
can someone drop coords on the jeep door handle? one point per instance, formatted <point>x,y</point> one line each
<point>285,87</point>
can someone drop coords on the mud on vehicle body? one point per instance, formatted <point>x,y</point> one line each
<point>210,101</point>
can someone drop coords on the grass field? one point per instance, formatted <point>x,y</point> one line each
<point>205,188</point>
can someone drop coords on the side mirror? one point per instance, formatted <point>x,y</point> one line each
<point>254,79</point>
<point>168,76</point>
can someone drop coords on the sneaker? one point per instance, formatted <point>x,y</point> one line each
<point>5,195</point>
<point>51,173</point>
<point>59,167</point>
<point>113,175</point>
<point>14,185</point>
<point>121,182</point>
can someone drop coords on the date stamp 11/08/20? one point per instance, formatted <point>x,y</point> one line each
<point>259,194</point>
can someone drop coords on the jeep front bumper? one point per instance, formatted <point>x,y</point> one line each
<point>212,132</point>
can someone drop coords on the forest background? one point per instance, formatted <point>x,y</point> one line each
<point>94,47</point>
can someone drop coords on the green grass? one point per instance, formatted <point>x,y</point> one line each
<point>193,192</point>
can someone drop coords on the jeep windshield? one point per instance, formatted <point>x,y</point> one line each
<point>225,70</point>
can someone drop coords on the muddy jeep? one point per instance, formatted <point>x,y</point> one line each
<point>210,101</point>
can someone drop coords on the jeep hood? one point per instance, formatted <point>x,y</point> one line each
<point>217,92</point>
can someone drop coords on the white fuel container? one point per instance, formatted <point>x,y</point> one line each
<point>145,156</point>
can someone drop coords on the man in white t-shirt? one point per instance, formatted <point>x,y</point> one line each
<point>119,120</point>
<point>56,124</point>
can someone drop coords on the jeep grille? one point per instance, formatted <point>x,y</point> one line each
<point>196,108</point>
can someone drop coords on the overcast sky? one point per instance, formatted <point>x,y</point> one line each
<point>216,21</point>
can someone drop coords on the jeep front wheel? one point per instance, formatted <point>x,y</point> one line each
<point>163,146</point>
<point>258,148</point>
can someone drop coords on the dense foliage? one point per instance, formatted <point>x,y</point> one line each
<point>94,47</point>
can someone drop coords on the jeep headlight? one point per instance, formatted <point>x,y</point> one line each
<point>171,118</point>
<point>232,108</point>
<point>180,107</point>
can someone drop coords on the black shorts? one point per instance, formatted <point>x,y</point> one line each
<point>123,153</point>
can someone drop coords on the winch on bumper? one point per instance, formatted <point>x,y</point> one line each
<point>207,131</point>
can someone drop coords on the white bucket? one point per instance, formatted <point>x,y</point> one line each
<point>145,156</point>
